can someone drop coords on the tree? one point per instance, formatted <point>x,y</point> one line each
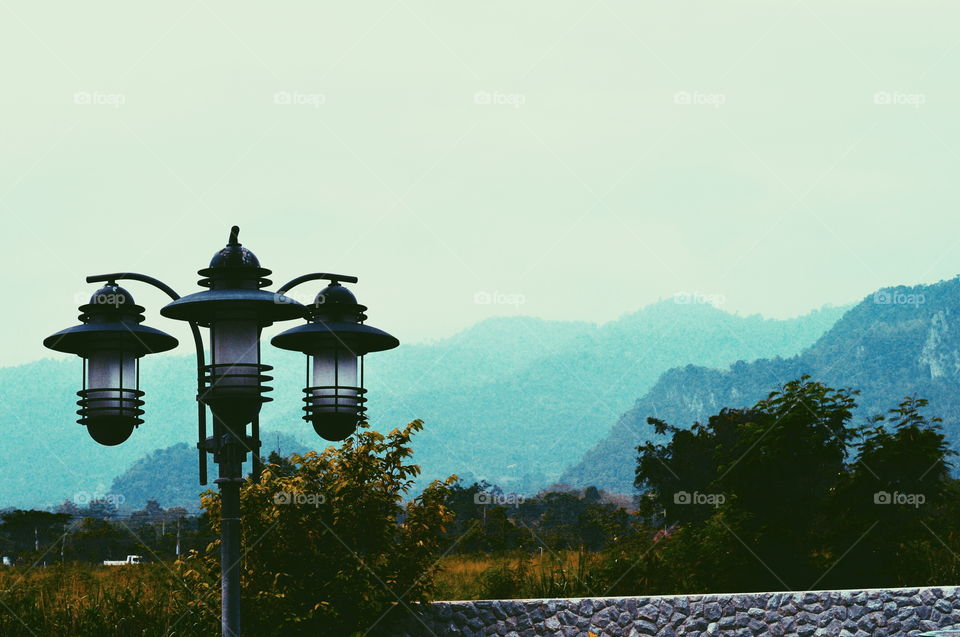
<point>69,507</point>
<point>95,540</point>
<point>101,508</point>
<point>782,495</point>
<point>149,515</point>
<point>778,474</point>
<point>688,465</point>
<point>331,546</point>
<point>894,496</point>
<point>22,531</point>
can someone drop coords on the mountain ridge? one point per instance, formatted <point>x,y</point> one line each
<point>494,397</point>
<point>898,341</point>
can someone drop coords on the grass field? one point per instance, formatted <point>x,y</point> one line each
<point>517,576</point>
<point>77,600</point>
<point>147,600</point>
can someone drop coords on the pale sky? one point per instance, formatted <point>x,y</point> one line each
<point>566,160</point>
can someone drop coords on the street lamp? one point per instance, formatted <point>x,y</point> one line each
<point>335,341</point>
<point>235,308</point>
<point>111,340</point>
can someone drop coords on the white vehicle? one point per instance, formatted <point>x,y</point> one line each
<point>131,559</point>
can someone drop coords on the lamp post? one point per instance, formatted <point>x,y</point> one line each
<point>234,308</point>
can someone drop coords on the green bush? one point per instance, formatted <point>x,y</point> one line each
<point>331,547</point>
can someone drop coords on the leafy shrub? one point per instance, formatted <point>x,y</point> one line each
<point>331,546</point>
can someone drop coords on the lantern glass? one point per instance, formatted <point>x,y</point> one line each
<point>334,402</point>
<point>235,355</point>
<point>335,381</point>
<point>110,403</point>
<point>111,379</point>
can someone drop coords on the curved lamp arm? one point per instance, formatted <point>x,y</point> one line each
<point>198,344</point>
<point>286,287</point>
<point>133,276</point>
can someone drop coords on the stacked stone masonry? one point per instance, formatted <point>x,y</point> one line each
<point>863,613</point>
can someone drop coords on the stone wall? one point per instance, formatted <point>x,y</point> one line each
<point>860,613</point>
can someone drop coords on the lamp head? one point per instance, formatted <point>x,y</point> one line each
<point>335,341</point>
<point>110,339</point>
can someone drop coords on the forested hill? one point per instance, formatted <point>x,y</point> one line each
<point>506,399</point>
<point>170,475</point>
<point>520,430</point>
<point>896,342</point>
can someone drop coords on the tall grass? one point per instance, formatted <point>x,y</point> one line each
<point>151,600</point>
<point>519,575</point>
<point>78,600</point>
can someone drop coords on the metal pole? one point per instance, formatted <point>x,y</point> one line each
<point>230,462</point>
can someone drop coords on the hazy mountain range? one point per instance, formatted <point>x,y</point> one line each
<point>536,414</point>
<point>897,342</point>
<point>170,475</point>
<point>512,400</point>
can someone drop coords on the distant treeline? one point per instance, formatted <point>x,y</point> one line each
<point>98,532</point>
<point>489,520</point>
<point>789,494</point>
